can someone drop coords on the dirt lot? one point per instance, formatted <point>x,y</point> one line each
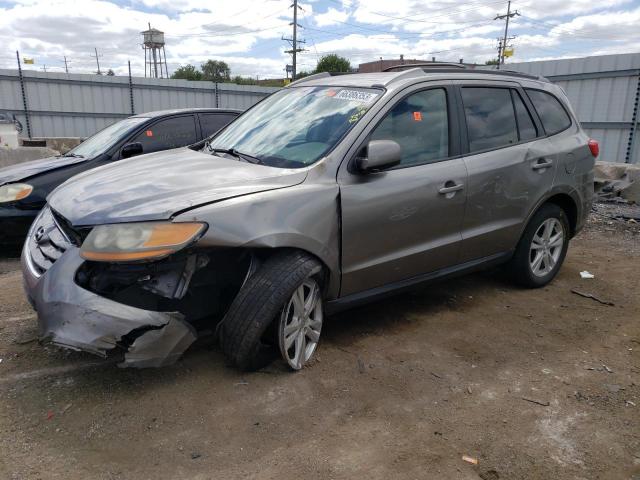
<point>533,384</point>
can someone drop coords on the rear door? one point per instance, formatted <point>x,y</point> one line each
<point>211,123</point>
<point>511,165</point>
<point>404,222</point>
<point>168,133</point>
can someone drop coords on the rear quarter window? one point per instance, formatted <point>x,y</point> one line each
<point>552,114</point>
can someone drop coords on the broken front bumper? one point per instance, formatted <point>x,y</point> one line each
<point>73,317</point>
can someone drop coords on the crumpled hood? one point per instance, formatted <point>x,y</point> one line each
<point>155,186</point>
<point>24,170</point>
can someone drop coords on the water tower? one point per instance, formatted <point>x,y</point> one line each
<point>153,45</point>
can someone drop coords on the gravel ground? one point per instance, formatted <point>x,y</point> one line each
<point>540,384</point>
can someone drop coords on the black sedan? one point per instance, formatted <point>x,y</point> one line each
<point>24,187</point>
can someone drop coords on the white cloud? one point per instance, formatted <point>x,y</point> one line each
<point>331,17</point>
<point>247,33</point>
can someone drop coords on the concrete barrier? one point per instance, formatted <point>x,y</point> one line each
<point>61,144</point>
<point>11,156</point>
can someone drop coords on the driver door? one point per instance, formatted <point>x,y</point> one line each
<point>406,221</point>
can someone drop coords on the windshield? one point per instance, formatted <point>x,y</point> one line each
<point>295,127</point>
<point>105,138</point>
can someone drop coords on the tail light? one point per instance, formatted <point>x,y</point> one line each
<point>594,147</point>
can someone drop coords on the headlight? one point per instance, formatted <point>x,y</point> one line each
<point>14,192</point>
<point>138,241</point>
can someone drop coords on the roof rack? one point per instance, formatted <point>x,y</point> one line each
<point>425,65</point>
<point>318,75</point>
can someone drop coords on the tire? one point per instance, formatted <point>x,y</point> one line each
<point>534,265</point>
<point>248,332</point>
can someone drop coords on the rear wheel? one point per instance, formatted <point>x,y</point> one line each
<point>542,248</point>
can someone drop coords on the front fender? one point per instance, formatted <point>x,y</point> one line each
<point>305,217</point>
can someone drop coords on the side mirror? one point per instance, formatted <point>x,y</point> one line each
<point>380,155</point>
<point>131,150</point>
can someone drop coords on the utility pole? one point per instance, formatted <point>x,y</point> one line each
<point>66,66</point>
<point>294,40</point>
<point>44,68</point>
<point>506,38</point>
<point>97,57</point>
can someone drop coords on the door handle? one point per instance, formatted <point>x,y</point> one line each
<point>542,163</point>
<point>450,187</point>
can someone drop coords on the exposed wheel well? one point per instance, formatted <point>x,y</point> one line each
<point>263,253</point>
<point>569,206</point>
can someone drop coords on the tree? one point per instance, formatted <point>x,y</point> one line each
<point>493,61</point>
<point>111,73</point>
<point>333,63</point>
<point>188,72</point>
<point>216,71</point>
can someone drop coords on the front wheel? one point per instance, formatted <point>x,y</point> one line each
<point>300,324</point>
<point>280,305</point>
<point>542,248</point>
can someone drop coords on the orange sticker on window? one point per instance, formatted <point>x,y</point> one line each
<point>331,93</point>
<point>149,133</point>
<point>417,116</point>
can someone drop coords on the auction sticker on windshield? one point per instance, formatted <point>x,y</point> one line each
<point>356,95</point>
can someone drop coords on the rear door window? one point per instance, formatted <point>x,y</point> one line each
<point>551,112</point>
<point>526,128</point>
<point>491,120</point>
<point>213,122</point>
<point>420,125</point>
<point>169,133</point>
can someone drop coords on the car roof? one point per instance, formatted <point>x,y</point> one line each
<point>410,75</point>
<point>163,113</point>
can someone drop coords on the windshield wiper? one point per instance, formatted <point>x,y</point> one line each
<point>245,157</point>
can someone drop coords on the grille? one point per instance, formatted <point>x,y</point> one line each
<point>47,242</point>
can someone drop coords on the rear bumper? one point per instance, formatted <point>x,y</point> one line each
<point>72,317</point>
<point>15,224</point>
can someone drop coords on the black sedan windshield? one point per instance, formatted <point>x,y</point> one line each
<point>105,138</point>
<point>295,127</point>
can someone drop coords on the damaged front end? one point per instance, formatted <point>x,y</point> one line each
<point>150,311</point>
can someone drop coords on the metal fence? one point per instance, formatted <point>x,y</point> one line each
<point>78,105</point>
<point>604,92</point>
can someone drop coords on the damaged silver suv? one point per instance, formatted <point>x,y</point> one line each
<point>329,193</point>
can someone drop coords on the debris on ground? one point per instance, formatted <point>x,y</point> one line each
<point>593,297</point>
<point>537,402</point>
<point>585,274</point>
<point>617,180</point>
<point>66,408</point>
<point>361,367</point>
<point>469,459</point>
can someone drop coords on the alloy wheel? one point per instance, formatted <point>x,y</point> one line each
<point>546,247</point>
<point>300,324</point>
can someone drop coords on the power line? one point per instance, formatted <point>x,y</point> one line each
<point>294,40</point>
<point>97,57</point>
<point>503,45</point>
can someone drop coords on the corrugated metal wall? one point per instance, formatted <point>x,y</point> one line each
<point>77,105</point>
<point>604,92</point>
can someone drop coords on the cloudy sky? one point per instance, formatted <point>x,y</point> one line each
<point>247,33</point>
